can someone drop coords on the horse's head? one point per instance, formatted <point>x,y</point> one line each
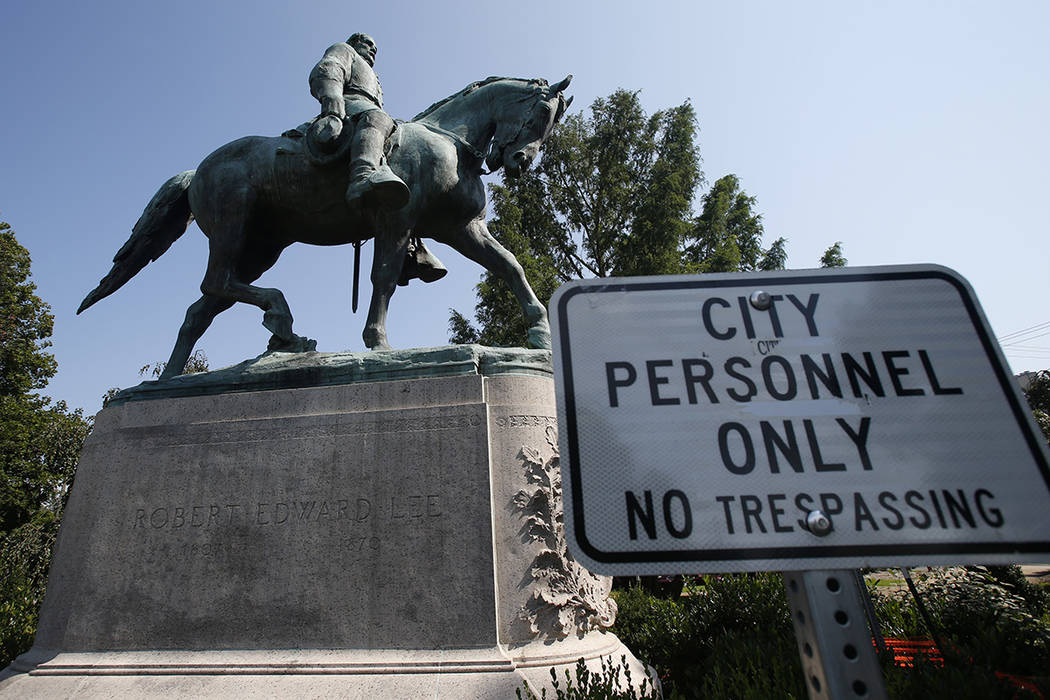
<point>525,124</point>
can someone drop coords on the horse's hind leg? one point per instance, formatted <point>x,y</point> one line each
<point>234,262</point>
<point>477,243</point>
<point>203,311</point>
<point>387,260</point>
<point>198,317</point>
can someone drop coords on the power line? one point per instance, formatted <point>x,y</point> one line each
<point>1023,331</point>
<point>1015,341</point>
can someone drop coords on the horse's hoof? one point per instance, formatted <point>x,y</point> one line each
<point>297,344</point>
<point>540,337</point>
<point>279,323</point>
<point>375,340</point>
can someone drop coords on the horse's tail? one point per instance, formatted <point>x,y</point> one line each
<point>165,219</point>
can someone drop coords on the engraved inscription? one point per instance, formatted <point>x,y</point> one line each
<point>428,506</point>
<point>522,421</point>
<point>277,513</point>
<point>226,515</point>
<point>361,544</point>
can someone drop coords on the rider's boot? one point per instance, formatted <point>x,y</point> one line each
<point>420,263</point>
<point>372,180</point>
<point>429,267</point>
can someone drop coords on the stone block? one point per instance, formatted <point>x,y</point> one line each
<point>353,538</point>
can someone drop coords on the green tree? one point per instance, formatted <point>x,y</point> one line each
<point>39,442</point>
<point>197,362</point>
<point>611,195</point>
<point>621,185</point>
<point>1038,396</point>
<point>39,448</point>
<point>775,257</point>
<point>833,257</point>
<point>525,224</point>
<point>25,323</point>
<point>727,236</point>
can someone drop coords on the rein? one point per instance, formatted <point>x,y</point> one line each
<point>473,150</point>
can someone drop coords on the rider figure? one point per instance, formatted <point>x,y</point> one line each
<point>347,87</point>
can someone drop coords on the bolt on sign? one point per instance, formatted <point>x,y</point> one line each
<point>809,419</point>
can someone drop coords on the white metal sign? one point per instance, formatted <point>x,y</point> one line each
<point>728,422</point>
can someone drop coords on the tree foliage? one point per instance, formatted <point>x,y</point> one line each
<point>196,363</point>
<point>25,323</point>
<point>39,442</point>
<point>1038,396</point>
<point>39,447</point>
<point>727,236</point>
<point>775,257</point>
<point>833,257</point>
<point>613,191</point>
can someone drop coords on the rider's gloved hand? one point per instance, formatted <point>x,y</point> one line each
<point>328,128</point>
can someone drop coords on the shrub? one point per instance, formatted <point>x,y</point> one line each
<point>987,618</point>
<point>25,556</point>
<point>731,636</point>
<point>588,685</point>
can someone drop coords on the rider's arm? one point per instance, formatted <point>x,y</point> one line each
<point>328,78</point>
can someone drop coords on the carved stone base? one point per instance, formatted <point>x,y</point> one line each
<point>390,538</point>
<point>493,672</point>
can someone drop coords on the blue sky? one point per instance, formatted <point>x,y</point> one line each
<point>912,132</point>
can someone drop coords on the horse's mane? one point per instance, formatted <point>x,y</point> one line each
<point>539,82</point>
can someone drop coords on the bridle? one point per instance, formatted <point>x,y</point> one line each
<point>496,146</point>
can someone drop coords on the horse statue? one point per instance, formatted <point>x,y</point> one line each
<point>257,195</point>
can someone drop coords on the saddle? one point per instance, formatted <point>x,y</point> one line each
<point>419,262</point>
<point>338,151</point>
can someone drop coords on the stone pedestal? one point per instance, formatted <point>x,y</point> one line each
<point>320,535</point>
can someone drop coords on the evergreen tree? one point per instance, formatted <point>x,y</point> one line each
<point>727,236</point>
<point>611,195</point>
<point>662,218</point>
<point>524,225</point>
<point>775,257</point>
<point>1038,396</point>
<point>833,257</point>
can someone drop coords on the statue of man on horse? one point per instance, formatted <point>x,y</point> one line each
<point>347,176</point>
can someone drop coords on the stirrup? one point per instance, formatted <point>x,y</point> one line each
<point>421,264</point>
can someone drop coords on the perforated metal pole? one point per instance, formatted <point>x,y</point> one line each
<point>834,643</point>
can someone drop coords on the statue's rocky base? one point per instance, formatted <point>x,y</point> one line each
<point>312,531</point>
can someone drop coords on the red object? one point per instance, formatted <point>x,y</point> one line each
<point>905,651</point>
<point>1021,682</point>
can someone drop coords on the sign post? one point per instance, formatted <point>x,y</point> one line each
<point>812,420</point>
<point>838,658</point>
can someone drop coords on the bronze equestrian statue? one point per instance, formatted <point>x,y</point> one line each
<point>323,184</point>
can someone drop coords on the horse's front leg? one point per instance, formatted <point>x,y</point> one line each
<point>475,242</point>
<point>388,258</point>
